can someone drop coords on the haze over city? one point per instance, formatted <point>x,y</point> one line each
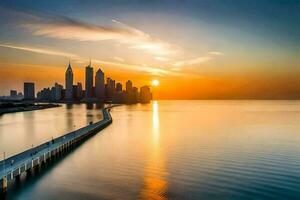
<point>195,49</point>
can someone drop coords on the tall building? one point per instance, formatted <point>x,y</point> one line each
<point>44,94</point>
<point>52,94</point>
<point>135,95</point>
<point>119,87</point>
<point>75,89</point>
<point>128,86</point>
<point>110,88</point>
<point>29,93</point>
<point>79,91</point>
<point>129,93</point>
<point>112,84</point>
<point>69,83</point>
<point>99,85</point>
<point>145,94</point>
<point>89,81</point>
<point>58,92</point>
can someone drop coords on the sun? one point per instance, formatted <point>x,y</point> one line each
<point>155,82</point>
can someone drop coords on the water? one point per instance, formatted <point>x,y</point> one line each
<point>22,130</point>
<point>170,150</point>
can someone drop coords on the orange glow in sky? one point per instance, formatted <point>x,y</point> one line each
<point>211,56</point>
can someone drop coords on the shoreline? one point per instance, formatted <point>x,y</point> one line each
<point>6,108</point>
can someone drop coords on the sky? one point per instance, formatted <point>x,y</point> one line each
<point>196,49</point>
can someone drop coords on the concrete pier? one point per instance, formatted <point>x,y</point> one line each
<point>12,167</point>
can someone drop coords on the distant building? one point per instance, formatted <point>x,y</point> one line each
<point>110,88</point>
<point>63,94</point>
<point>75,89</point>
<point>69,83</point>
<point>101,91</point>
<point>46,94</point>
<point>58,92</point>
<point>99,85</point>
<point>79,91</point>
<point>135,95</point>
<point>129,97</point>
<point>145,94</point>
<point>89,81</point>
<point>29,92</point>
<point>20,95</point>
<point>129,86</point>
<point>93,92</point>
<point>39,95</point>
<point>13,94</point>
<point>119,97</point>
<point>119,87</point>
<point>52,94</point>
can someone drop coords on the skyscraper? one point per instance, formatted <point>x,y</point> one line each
<point>135,95</point>
<point>69,83</point>
<point>89,81</point>
<point>29,93</point>
<point>129,92</point>
<point>75,89</point>
<point>128,86</point>
<point>110,88</point>
<point>79,91</point>
<point>52,94</point>
<point>119,87</point>
<point>58,91</point>
<point>99,85</point>
<point>145,94</point>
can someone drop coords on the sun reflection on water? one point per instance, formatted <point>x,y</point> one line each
<point>155,122</point>
<point>155,183</point>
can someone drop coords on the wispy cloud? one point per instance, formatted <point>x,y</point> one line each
<point>192,61</point>
<point>161,58</point>
<point>216,53</point>
<point>40,51</point>
<point>197,60</point>
<point>149,43</point>
<point>66,28</point>
<point>71,29</point>
<point>159,71</point>
<point>118,59</point>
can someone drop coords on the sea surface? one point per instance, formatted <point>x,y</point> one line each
<point>164,150</point>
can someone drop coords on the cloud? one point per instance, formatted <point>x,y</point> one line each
<point>216,53</point>
<point>71,29</point>
<point>200,59</point>
<point>161,58</point>
<point>192,61</point>
<point>141,68</point>
<point>119,59</point>
<point>156,48</point>
<point>66,28</point>
<point>40,51</point>
<point>158,71</point>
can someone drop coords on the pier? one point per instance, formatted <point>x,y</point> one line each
<point>11,168</point>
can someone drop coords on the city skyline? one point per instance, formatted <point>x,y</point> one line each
<point>97,87</point>
<point>211,49</point>
<point>94,92</point>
